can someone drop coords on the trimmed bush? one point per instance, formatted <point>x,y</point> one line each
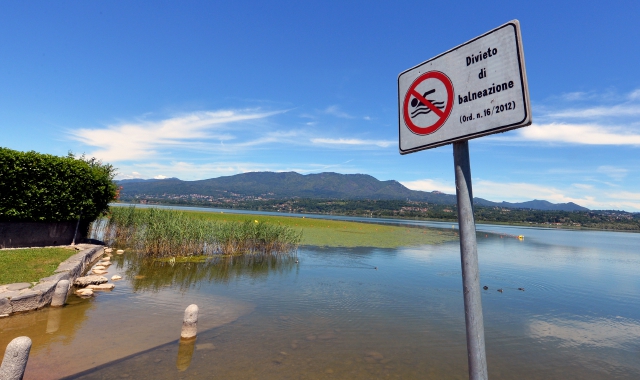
<point>42,187</point>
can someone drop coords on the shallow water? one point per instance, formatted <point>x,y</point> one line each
<point>333,315</point>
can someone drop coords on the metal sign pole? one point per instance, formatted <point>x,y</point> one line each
<point>469,257</point>
<point>475,89</point>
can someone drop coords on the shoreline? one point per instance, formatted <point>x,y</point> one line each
<point>348,217</point>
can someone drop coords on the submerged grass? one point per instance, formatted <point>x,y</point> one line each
<point>167,233</point>
<point>31,264</point>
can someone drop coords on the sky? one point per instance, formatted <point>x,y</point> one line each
<point>201,89</point>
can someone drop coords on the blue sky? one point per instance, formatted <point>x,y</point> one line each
<point>197,89</point>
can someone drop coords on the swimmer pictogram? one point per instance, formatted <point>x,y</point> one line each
<point>428,103</point>
<point>420,108</point>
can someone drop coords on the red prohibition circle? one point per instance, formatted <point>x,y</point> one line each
<point>443,114</point>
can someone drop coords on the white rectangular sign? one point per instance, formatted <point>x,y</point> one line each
<point>472,90</point>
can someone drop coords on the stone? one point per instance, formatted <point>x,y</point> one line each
<point>103,264</point>
<point>99,271</point>
<point>9,294</point>
<point>15,358</point>
<point>73,268</point>
<point>190,322</point>
<point>101,287</point>
<point>60,294</point>
<point>99,267</point>
<point>89,280</point>
<point>19,286</point>
<point>120,252</point>
<point>46,288</point>
<point>26,300</point>
<point>84,292</point>
<point>57,277</point>
<point>106,258</point>
<point>5,306</point>
<point>116,277</point>
<point>108,250</point>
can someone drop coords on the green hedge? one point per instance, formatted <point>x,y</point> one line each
<point>43,187</point>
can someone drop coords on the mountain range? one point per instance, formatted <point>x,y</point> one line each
<point>287,185</point>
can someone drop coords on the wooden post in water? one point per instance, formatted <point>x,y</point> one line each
<point>469,259</point>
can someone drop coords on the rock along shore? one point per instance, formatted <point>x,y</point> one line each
<point>21,297</point>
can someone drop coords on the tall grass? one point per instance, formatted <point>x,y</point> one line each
<point>168,233</point>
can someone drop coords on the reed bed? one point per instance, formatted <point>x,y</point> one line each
<point>172,233</point>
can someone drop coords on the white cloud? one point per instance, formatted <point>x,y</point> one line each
<point>145,139</point>
<point>591,134</point>
<point>522,191</point>
<point>582,186</point>
<point>583,195</point>
<point>625,195</point>
<point>430,185</point>
<point>130,175</point>
<point>194,171</point>
<point>615,173</point>
<point>600,111</point>
<point>623,200</point>
<point>335,111</point>
<point>351,142</point>
<point>577,95</point>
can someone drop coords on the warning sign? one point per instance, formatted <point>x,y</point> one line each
<point>428,103</point>
<point>473,90</point>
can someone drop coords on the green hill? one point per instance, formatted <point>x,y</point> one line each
<point>288,185</point>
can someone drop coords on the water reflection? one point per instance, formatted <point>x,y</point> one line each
<point>153,275</point>
<point>598,332</point>
<point>185,353</point>
<point>334,315</point>
<point>47,326</point>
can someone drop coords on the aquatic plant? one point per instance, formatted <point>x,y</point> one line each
<point>167,233</point>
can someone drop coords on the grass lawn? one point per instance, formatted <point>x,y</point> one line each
<point>334,233</point>
<point>32,264</point>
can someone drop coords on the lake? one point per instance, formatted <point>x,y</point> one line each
<point>358,313</point>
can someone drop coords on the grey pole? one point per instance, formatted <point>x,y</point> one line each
<point>15,359</point>
<point>469,257</point>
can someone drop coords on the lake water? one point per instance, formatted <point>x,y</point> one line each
<point>334,315</point>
